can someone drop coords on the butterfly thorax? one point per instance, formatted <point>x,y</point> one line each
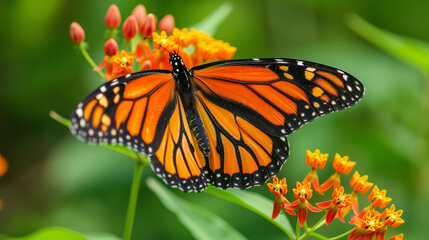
<point>186,91</point>
<point>184,85</point>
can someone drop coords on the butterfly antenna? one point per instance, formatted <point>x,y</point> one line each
<point>180,44</point>
<point>170,53</point>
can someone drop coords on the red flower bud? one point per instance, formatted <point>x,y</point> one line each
<point>77,35</point>
<point>148,26</point>
<point>111,48</point>
<point>130,27</point>
<point>166,24</point>
<point>113,17</point>
<point>139,12</point>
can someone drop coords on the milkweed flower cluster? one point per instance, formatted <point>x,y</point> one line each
<point>3,170</point>
<point>147,46</point>
<point>368,223</point>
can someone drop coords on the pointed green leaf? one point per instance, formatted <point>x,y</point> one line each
<point>255,203</point>
<point>202,223</point>
<point>211,23</point>
<point>408,49</point>
<point>52,233</point>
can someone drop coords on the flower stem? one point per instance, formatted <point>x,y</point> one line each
<point>341,235</point>
<point>89,59</point>
<point>297,229</point>
<point>316,226</point>
<point>133,200</point>
<point>318,236</point>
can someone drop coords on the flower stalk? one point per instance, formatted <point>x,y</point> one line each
<point>132,204</point>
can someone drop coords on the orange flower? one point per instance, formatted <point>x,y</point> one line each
<point>3,169</point>
<point>397,237</point>
<point>279,189</point>
<point>3,166</point>
<point>359,185</point>
<point>378,199</point>
<point>302,193</point>
<point>392,218</point>
<point>315,160</point>
<point>338,202</point>
<point>366,226</point>
<point>122,64</point>
<point>342,165</point>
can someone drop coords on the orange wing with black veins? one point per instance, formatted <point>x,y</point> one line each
<point>248,108</point>
<point>142,111</point>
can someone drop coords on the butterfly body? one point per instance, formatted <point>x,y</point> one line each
<point>224,122</point>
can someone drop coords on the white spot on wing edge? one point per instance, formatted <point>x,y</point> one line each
<point>300,63</point>
<point>79,112</point>
<point>103,88</point>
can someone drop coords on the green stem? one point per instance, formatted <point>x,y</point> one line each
<point>89,59</point>
<point>297,228</point>
<point>127,45</point>
<point>319,236</point>
<point>341,235</point>
<point>316,226</point>
<point>133,200</point>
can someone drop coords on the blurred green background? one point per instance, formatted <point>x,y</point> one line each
<point>55,180</point>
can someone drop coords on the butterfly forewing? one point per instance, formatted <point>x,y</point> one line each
<point>249,106</point>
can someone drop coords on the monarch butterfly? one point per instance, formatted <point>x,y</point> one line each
<point>223,122</point>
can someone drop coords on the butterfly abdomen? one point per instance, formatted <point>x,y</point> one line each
<point>197,128</point>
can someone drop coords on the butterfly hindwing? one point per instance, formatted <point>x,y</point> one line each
<point>241,154</point>
<point>176,160</point>
<point>273,97</point>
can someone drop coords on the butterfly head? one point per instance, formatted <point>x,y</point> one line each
<point>176,61</point>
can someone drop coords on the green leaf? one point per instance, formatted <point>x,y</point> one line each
<point>408,49</point>
<point>202,223</point>
<point>255,203</point>
<point>56,233</point>
<point>52,233</point>
<point>211,23</point>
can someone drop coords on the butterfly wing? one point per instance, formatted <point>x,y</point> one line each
<point>143,111</point>
<point>249,106</point>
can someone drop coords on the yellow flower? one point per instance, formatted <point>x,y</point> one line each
<point>182,36</point>
<point>164,41</point>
